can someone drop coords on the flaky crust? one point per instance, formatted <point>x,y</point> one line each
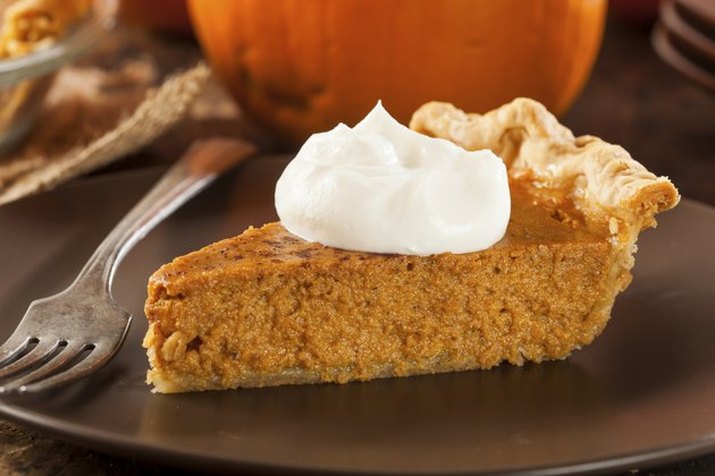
<point>600,179</point>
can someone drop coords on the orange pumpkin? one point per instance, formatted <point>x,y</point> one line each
<point>301,66</point>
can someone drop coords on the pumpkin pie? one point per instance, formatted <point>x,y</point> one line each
<point>268,308</point>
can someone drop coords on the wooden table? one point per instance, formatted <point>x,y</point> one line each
<point>633,99</point>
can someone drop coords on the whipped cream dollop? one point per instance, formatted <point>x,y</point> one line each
<point>381,187</point>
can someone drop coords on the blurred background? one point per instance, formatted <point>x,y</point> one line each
<point>639,73</point>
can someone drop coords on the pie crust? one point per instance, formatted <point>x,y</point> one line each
<point>598,180</point>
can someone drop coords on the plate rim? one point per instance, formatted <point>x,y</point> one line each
<point>108,442</point>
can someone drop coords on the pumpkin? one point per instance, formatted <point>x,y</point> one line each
<point>301,66</point>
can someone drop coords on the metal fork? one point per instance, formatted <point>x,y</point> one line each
<point>67,336</point>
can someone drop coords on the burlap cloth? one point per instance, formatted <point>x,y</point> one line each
<point>121,99</point>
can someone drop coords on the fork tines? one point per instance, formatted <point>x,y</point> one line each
<point>31,363</point>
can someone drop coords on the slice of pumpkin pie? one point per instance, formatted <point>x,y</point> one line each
<point>270,308</point>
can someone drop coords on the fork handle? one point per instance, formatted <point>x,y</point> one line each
<point>197,168</point>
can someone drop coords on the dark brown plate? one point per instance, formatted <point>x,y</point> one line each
<point>643,393</point>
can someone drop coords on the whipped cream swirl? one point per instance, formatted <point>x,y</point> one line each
<point>380,187</point>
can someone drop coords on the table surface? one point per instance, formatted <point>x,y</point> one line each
<point>632,99</point>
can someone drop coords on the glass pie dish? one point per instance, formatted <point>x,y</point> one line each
<point>25,80</point>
